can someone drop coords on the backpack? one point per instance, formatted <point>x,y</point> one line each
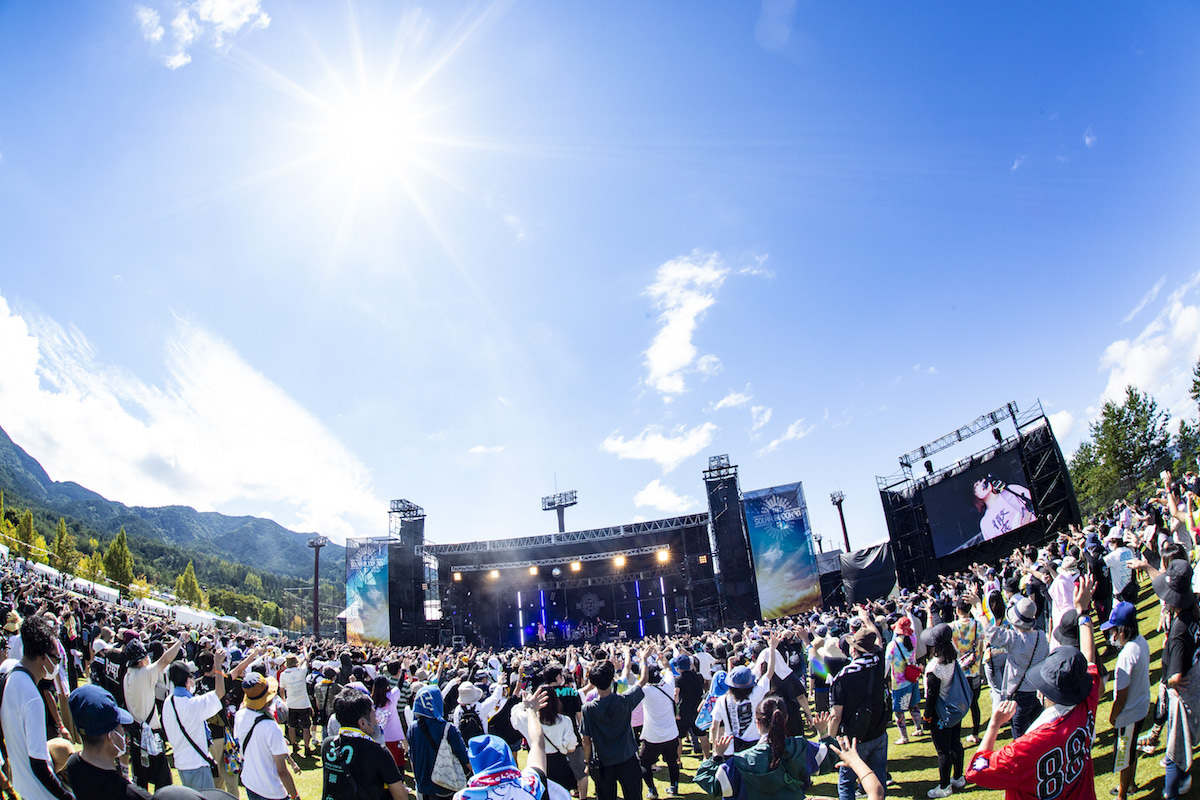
<point>952,707</point>
<point>469,723</point>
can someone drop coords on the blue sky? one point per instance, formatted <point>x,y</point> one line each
<point>298,259</point>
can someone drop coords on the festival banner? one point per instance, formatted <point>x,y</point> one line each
<point>367,592</point>
<point>785,564</point>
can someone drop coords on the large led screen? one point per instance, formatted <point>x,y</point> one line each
<point>980,504</point>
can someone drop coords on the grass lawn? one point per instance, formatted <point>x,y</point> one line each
<point>914,766</point>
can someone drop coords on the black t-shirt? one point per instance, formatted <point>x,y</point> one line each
<point>89,782</point>
<point>1181,644</point>
<point>691,691</point>
<point>356,768</point>
<point>861,690</point>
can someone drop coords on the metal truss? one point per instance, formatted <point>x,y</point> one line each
<point>609,580</point>
<point>954,437</point>
<point>550,539</point>
<point>545,562</point>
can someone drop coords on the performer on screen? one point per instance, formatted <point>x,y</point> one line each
<point>1005,506</point>
<point>541,632</point>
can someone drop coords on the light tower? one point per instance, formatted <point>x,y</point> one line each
<point>837,498</point>
<point>560,502</point>
<point>316,543</point>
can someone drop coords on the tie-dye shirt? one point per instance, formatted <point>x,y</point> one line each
<point>968,638</point>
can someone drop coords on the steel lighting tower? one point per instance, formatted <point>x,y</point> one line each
<point>837,498</point>
<point>560,502</point>
<point>316,543</point>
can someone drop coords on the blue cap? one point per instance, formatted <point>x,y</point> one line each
<point>489,753</point>
<point>95,711</point>
<point>1123,614</point>
<point>740,678</point>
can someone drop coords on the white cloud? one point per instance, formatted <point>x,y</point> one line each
<point>733,400</point>
<point>1160,359</point>
<point>1089,137</point>
<point>664,498</point>
<point>215,432</point>
<point>150,23</point>
<point>504,402</point>
<point>1017,162</point>
<point>480,449</point>
<point>1148,298</point>
<point>1062,423</point>
<point>797,430</point>
<point>518,229</point>
<point>216,21</point>
<point>757,269</point>
<point>667,450</point>
<point>920,370</point>
<point>759,416</point>
<point>682,291</point>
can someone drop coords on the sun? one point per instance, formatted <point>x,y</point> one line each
<point>374,133</point>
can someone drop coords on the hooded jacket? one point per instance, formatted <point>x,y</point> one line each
<point>749,776</point>
<point>425,735</point>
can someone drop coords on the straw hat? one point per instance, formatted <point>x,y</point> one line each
<point>259,691</point>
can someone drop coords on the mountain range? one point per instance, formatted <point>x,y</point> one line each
<point>258,543</point>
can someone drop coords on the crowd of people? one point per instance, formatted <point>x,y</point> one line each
<point>101,700</point>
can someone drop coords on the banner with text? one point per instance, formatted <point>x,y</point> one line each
<point>781,540</point>
<point>367,592</point>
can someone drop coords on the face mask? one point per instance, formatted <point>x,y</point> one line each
<point>119,742</point>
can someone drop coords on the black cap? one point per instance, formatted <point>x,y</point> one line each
<point>1063,676</point>
<point>1174,585</point>
<point>937,635</point>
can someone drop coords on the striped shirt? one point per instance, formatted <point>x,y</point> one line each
<point>1024,648</point>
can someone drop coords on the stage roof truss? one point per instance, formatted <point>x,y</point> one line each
<point>550,539</point>
<point>979,425</point>
<point>559,561</point>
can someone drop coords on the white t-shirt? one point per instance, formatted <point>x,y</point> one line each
<point>743,725</point>
<point>292,682</point>
<point>706,664</point>
<point>1133,673</point>
<point>659,711</point>
<point>258,768</point>
<point>193,711</point>
<point>15,648</point>
<point>139,693</point>
<point>23,716</point>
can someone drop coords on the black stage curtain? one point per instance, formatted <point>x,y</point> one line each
<point>868,574</point>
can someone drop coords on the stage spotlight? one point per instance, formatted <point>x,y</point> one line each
<point>664,556</point>
<point>703,559</point>
<point>619,562</point>
<point>533,570</point>
<point>556,572</point>
<point>929,467</point>
<point>458,576</point>
<point>576,566</point>
<point>494,573</point>
<point>996,433</point>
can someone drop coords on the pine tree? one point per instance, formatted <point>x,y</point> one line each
<point>253,584</point>
<point>64,557</point>
<point>187,588</point>
<point>38,550</point>
<point>92,568</point>
<point>118,562</point>
<point>24,535</point>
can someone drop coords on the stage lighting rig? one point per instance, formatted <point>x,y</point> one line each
<point>619,562</point>
<point>837,498</point>
<point>560,502</point>
<point>664,556</point>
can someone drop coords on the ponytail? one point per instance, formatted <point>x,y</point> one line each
<point>772,715</point>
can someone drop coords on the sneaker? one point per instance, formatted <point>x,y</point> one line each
<point>939,791</point>
<point>1185,786</point>
<point>902,740</point>
<point>892,782</point>
<point>972,740</point>
<point>674,790</point>
<point>959,783</point>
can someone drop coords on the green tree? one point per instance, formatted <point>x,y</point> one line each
<point>1130,445</point>
<point>1186,446</point>
<point>92,567</point>
<point>187,588</point>
<point>64,556</point>
<point>118,562</point>
<point>1196,383</point>
<point>253,584</point>
<point>271,615</point>
<point>24,534</point>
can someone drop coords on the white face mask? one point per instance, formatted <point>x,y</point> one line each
<point>119,743</point>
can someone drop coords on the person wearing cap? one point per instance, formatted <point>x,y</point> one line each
<point>1131,690</point>
<point>901,659</point>
<point>1024,646</point>
<point>1053,757</point>
<point>860,702</point>
<point>265,774</point>
<point>947,739</point>
<point>23,712</point>
<point>184,715</point>
<point>94,773</point>
<point>139,682</point>
<point>496,776</point>
<point>294,690</point>
<point>471,702</point>
<point>734,714</point>
<point>355,765</point>
<point>1124,579</point>
<point>1174,589</point>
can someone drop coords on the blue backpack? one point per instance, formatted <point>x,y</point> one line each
<point>952,707</point>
